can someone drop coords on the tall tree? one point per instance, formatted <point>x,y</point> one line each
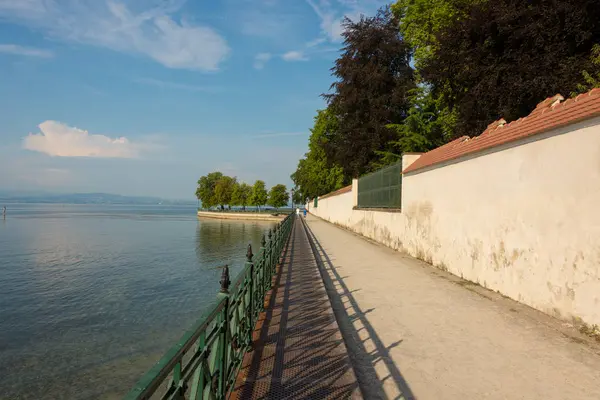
<point>315,175</point>
<point>205,191</point>
<point>508,55</point>
<point>298,197</point>
<point>259,196</point>
<point>372,90</point>
<point>426,127</point>
<point>241,194</point>
<point>224,190</point>
<point>421,20</point>
<point>278,196</point>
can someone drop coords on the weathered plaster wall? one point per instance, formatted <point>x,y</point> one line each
<point>523,219</point>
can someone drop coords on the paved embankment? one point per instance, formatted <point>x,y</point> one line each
<point>414,331</point>
<point>298,351</point>
<point>242,215</point>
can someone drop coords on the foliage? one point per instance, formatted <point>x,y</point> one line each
<point>590,81</point>
<point>241,194</point>
<point>278,196</point>
<point>426,127</point>
<point>298,198</point>
<point>421,20</point>
<point>224,190</point>
<point>372,90</point>
<point>259,194</point>
<point>205,191</point>
<point>508,55</point>
<point>314,175</point>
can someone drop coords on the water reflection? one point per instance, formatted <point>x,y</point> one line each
<point>220,242</point>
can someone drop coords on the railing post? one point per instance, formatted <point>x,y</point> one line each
<point>224,367</point>
<point>269,256</point>
<point>250,317</point>
<point>266,274</point>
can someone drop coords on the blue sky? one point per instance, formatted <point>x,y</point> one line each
<point>142,97</point>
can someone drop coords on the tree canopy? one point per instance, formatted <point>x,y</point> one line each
<point>475,61</point>
<point>259,194</point>
<point>506,56</point>
<point>205,191</point>
<point>241,194</point>
<point>224,190</point>
<point>216,189</point>
<point>374,79</point>
<point>278,196</point>
<point>315,174</point>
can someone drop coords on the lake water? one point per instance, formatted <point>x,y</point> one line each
<point>91,296</point>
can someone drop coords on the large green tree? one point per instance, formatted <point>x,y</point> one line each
<point>224,190</point>
<point>205,190</point>
<point>315,174</point>
<point>278,196</point>
<point>298,197</point>
<point>506,56</point>
<point>259,194</point>
<point>241,194</point>
<point>426,127</point>
<point>374,79</point>
<point>421,20</point>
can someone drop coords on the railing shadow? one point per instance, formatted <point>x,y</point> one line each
<point>298,354</point>
<point>347,311</point>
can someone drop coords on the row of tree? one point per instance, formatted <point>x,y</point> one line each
<point>216,189</point>
<point>424,72</point>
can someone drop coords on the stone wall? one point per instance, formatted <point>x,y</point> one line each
<point>521,218</point>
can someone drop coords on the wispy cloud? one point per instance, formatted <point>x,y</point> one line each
<point>60,140</point>
<point>261,59</point>
<point>279,134</point>
<point>294,56</point>
<point>175,85</point>
<point>332,13</point>
<point>25,51</point>
<point>152,32</point>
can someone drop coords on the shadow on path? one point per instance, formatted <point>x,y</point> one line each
<point>348,311</point>
<point>298,350</point>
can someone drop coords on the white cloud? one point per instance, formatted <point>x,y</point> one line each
<point>151,32</point>
<point>332,16</point>
<point>58,139</point>
<point>175,85</point>
<point>294,56</point>
<point>25,51</point>
<point>261,59</point>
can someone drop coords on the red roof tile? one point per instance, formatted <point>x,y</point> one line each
<point>337,192</point>
<point>549,114</point>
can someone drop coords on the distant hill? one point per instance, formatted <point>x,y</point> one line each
<point>85,198</point>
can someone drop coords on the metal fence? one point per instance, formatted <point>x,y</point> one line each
<point>205,361</point>
<point>381,189</point>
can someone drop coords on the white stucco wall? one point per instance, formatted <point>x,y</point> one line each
<point>523,219</point>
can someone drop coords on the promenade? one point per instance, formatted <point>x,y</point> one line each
<point>414,331</point>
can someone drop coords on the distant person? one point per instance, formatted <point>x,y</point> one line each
<point>297,211</point>
<point>304,213</point>
<point>4,212</point>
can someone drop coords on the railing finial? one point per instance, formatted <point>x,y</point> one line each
<point>249,254</point>
<point>225,282</point>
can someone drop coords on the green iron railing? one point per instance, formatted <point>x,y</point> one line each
<point>205,362</point>
<point>381,189</point>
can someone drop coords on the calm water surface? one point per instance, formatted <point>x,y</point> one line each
<point>91,296</point>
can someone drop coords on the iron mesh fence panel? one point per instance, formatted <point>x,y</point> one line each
<point>381,189</point>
